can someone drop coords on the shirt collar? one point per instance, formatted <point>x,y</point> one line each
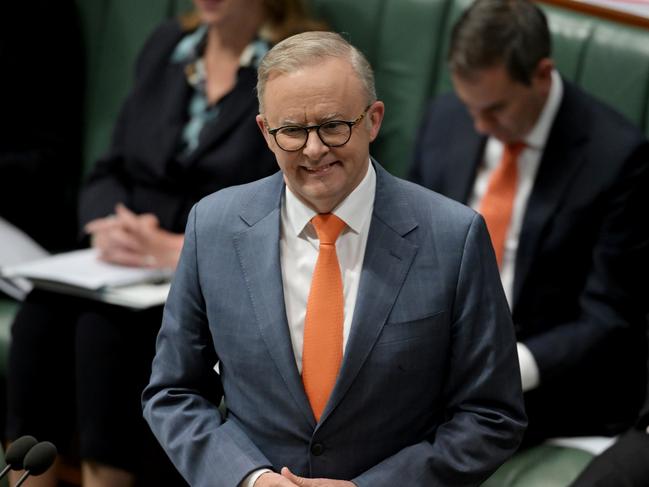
<point>190,47</point>
<point>353,210</point>
<point>538,136</point>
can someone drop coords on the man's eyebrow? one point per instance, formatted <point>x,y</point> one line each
<point>332,116</point>
<point>321,119</point>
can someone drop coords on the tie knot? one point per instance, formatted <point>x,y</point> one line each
<point>328,226</point>
<point>513,149</point>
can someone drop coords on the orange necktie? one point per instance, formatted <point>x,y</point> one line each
<point>323,326</point>
<point>498,202</point>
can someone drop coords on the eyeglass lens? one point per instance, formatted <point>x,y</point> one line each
<point>334,133</point>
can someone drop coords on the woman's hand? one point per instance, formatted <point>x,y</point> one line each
<point>134,240</point>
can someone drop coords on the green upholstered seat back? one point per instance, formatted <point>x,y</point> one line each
<point>570,34</point>
<point>443,84</point>
<point>114,32</point>
<point>607,59</point>
<point>541,466</point>
<point>615,68</point>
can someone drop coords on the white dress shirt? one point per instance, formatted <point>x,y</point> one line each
<point>528,164</point>
<point>299,252</point>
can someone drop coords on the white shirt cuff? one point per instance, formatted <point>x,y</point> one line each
<point>529,369</point>
<point>250,480</point>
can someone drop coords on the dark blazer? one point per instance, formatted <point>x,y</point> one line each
<point>429,389</point>
<point>142,169</point>
<point>580,284</point>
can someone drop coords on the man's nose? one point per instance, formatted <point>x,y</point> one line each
<point>314,148</point>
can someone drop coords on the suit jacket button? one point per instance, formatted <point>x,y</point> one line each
<point>317,449</point>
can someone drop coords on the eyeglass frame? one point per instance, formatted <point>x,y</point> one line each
<point>309,128</point>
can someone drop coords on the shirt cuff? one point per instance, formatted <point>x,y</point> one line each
<point>250,480</point>
<point>529,369</point>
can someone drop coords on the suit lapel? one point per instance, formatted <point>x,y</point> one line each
<point>170,105</point>
<point>261,268</point>
<point>462,154</point>
<point>561,159</point>
<point>465,158</point>
<point>388,257</point>
<point>233,107</point>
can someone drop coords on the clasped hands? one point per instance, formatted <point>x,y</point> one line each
<point>288,479</point>
<point>126,238</point>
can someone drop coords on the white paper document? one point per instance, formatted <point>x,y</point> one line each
<point>82,268</point>
<point>81,273</point>
<point>17,247</point>
<point>135,296</point>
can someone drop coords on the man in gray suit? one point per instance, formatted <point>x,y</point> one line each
<point>421,386</point>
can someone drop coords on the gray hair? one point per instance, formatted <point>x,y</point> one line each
<point>513,33</point>
<point>308,49</point>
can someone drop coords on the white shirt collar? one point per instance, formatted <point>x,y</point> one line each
<point>538,136</point>
<point>353,210</point>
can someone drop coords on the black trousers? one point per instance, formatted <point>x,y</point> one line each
<point>78,368</point>
<point>625,464</point>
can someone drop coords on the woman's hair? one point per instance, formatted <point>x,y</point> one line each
<point>284,18</point>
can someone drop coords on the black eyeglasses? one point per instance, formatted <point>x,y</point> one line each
<point>332,133</point>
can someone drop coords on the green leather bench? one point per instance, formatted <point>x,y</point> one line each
<point>7,312</point>
<point>542,466</point>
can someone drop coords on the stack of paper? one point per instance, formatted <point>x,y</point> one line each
<point>17,247</point>
<point>81,273</point>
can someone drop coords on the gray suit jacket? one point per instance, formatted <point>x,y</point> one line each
<point>429,390</point>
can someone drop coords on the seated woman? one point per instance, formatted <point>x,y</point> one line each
<point>187,129</point>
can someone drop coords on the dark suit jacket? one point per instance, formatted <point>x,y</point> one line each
<point>580,283</point>
<point>429,388</point>
<point>142,168</point>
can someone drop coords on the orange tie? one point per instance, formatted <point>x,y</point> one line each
<point>498,202</point>
<point>323,326</point>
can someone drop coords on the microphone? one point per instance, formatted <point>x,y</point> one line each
<point>16,453</point>
<point>37,460</point>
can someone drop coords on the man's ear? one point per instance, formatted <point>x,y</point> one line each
<point>376,113</point>
<point>543,74</point>
<point>261,123</point>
